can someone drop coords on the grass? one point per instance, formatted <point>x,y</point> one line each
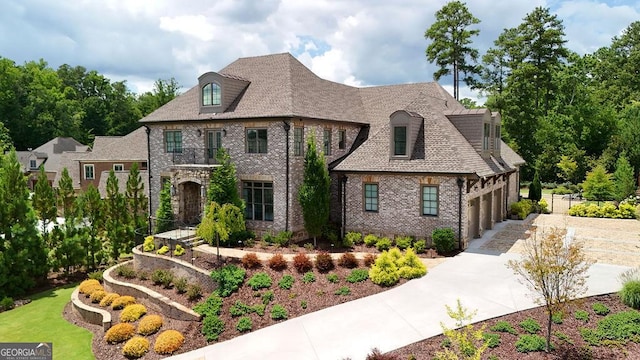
<point>42,321</point>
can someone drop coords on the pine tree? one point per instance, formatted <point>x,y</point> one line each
<point>117,219</point>
<point>44,201</point>
<point>137,203</point>
<point>164,214</point>
<point>624,182</point>
<point>598,185</point>
<point>66,245</point>
<point>66,194</point>
<point>223,188</point>
<point>315,191</point>
<point>93,214</point>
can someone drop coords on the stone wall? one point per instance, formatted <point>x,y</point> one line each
<point>90,314</point>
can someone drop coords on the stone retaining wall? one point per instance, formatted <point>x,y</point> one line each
<point>157,301</point>
<point>149,261</point>
<point>90,314</point>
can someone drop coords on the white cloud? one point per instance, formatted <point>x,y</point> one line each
<point>196,26</point>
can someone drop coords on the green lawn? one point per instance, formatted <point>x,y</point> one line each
<point>41,321</point>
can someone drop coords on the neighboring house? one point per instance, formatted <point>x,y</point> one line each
<point>48,155</point>
<point>108,153</point>
<point>404,159</point>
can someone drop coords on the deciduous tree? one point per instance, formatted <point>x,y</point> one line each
<point>220,222</point>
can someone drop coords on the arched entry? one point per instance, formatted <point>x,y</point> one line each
<point>190,202</point>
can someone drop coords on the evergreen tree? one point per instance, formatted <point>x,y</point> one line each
<point>598,185</point>
<point>137,203</point>
<point>66,194</point>
<point>535,190</point>
<point>164,214</point>
<point>450,46</point>
<point>116,219</point>
<point>23,258</point>
<point>624,181</point>
<point>93,215</point>
<point>223,188</point>
<point>44,201</point>
<point>67,249</point>
<point>315,191</point>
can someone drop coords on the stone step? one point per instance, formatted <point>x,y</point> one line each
<point>192,241</point>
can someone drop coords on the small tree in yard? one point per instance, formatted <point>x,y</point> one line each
<point>554,270</point>
<point>164,214</point>
<point>624,181</point>
<point>44,202</point>
<point>314,191</point>
<point>598,185</point>
<point>219,222</point>
<point>466,341</point>
<point>222,187</point>
<point>535,190</point>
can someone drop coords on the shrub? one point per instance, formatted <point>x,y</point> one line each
<point>369,259</point>
<point>384,271</point>
<point>522,208</point>
<point>503,326</point>
<point>126,271</point>
<point>530,325</point>
<point>244,324</point>
<point>615,328</point>
<point>351,238</point>
<point>149,244</point>
<point>108,299</point>
<point>119,333</point>
<point>286,282</point>
<point>283,238</point>
<point>333,278</point>
<point>6,303</point>
<point>302,263</point>
<point>267,297</point>
<point>562,336</point>
<point>278,312</point>
<point>630,294</point>
<point>581,315</point>
<point>377,355</point>
<point>358,275</point>
<point>260,280</point>
<point>600,309</point>
<point>531,343</point>
<point>181,285</point>
<point>194,292</point>
<point>163,250</point>
<point>136,347</point>
<point>122,301</point>
<point>95,297</point>
<point>87,284</point>
<point>383,244</point>
<point>251,261</point>
<point>410,266</point>
<point>444,240</point>
<point>370,240</point>
<point>324,262</point>
<point>132,312</point>
<point>229,278</point>
<point>210,307</point>
<point>96,275</point>
<point>143,275</point>
<point>403,242</point>
<point>149,324</point>
<point>88,289</point>
<point>162,277</point>
<point>420,246</point>
<point>348,260</point>
<point>179,250</point>
<point>557,317</point>
<point>168,342</point>
<point>239,309</point>
<point>303,304</point>
<point>277,262</point>
<point>492,340</point>
<point>344,290</point>
<point>308,277</point>
<point>212,327</point>
<point>259,309</point>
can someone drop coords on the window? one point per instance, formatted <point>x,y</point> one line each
<point>214,142</point>
<point>258,197</point>
<point>342,139</point>
<point>257,141</point>
<point>487,135</point>
<point>371,197</point>
<point>430,200</point>
<point>88,172</point>
<point>173,141</point>
<point>496,144</point>
<point>327,142</point>
<point>298,141</point>
<point>143,166</point>
<point>400,140</point>
<point>118,167</point>
<point>211,95</point>
<point>32,165</point>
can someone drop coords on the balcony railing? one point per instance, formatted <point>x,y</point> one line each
<point>193,156</point>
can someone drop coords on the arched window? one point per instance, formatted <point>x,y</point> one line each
<point>211,95</point>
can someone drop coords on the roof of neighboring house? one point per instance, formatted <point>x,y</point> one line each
<point>70,160</point>
<point>51,152</point>
<point>122,177</point>
<point>130,147</point>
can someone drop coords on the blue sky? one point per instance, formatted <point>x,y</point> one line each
<point>357,42</point>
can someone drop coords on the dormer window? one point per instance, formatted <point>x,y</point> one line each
<point>399,141</point>
<point>496,145</point>
<point>486,138</point>
<point>211,95</point>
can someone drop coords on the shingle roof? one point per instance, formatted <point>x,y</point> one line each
<point>132,146</point>
<point>69,160</point>
<point>122,177</point>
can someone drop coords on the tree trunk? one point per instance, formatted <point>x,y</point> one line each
<point>549,320</point>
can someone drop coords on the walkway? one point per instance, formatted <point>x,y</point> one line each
<point>402,315</point>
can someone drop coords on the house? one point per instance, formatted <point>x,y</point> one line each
<point>48,155</point>
<point>403,159</point>
<point>108,153</point>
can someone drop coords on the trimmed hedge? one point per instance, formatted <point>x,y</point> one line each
<point>119,333</point>
<point>136,347</point>
<point>168,342</point>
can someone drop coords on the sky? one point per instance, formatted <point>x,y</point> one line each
<point>356,42</point>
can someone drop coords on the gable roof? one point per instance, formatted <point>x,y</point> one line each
<point>130,147</point>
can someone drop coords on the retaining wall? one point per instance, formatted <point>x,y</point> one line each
<point>90,314</point>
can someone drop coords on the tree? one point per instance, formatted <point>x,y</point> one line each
<point>117,224</point>
<point>556,271</point>
<point>223,188</point>
<point>137,202</point>
<point>93,215</point>
<point>568,168</point>
<point>163,92</point>
<point>598,185</point>
<point>66,194</point>
<point>44,201</point>
<point>450,46</point>
<point>535,190</point>
<point>623,179</point>
<point>466,342</point>
<point>164,213</point>
<point>220,222</point>
<point>314,192</point>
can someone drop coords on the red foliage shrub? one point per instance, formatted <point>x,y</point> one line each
<point>302,263</point>
<point>277,262</point>
<point>369,259</point>
<point>348,260</point>
<point>251,261</point>
<point>324,262</point>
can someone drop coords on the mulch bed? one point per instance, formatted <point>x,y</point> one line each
<point>427,349</point>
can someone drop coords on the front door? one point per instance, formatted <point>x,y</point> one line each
<point>190,202</point>
<point>214,142</point>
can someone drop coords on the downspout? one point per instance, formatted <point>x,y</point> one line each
<point>286,127</point>
<point>148,131</point>
<point>344,204</point>
<point>460,183</point>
